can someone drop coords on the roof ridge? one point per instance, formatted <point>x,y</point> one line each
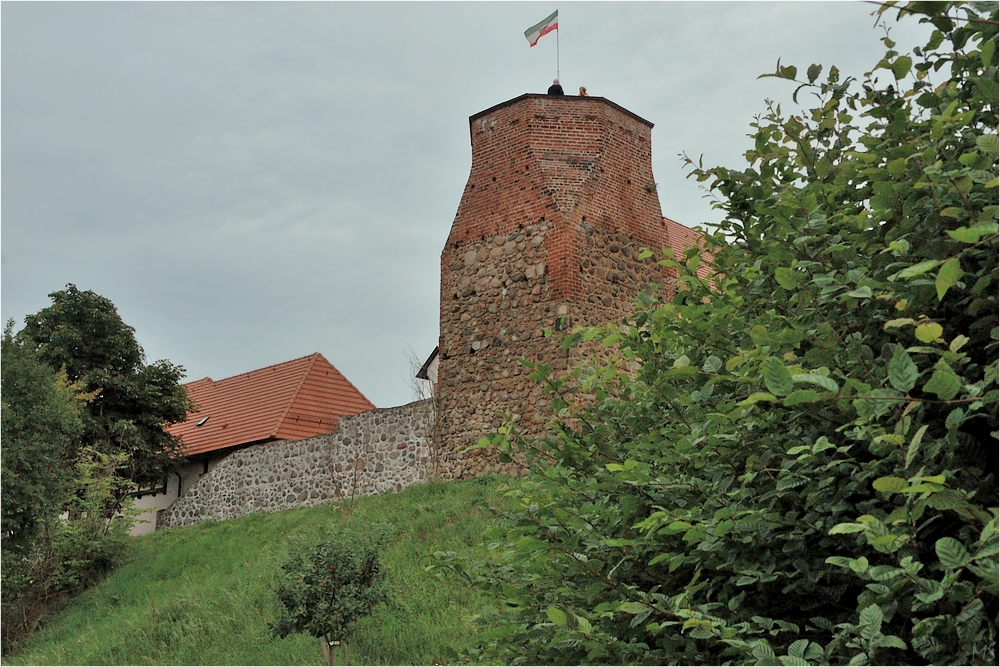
<point>295,394</point>
<point>256,370</point>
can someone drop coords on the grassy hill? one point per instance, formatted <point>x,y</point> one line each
<point>199,595</point>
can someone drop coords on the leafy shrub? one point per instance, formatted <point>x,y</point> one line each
<point>325,588</point>
<point>66,555</point>
<point>800,466</point>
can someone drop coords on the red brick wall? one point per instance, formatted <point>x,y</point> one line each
<point>560,200</point>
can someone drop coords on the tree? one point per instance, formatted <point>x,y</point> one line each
<point>44,474</point>
<point>802,466</point>
<point>41,417</point>
<point>325,588</point>
<point>82,335</point>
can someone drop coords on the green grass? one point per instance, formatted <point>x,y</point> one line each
<point>200,595</point>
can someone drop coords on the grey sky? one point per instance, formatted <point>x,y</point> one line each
<point>250,183</point>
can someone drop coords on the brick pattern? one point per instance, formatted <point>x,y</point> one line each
<point>560,200</point>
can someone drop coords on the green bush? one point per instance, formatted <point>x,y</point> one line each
<point>325,588</point>
<point>66,555</point>
<point>795,460</point>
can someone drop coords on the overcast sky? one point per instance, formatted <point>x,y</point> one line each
<point>250,183</point>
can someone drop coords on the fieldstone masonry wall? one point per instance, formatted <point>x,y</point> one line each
<point>370,453</point>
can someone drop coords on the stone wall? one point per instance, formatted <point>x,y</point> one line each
<point>560,201</point>
<point>369,453</point>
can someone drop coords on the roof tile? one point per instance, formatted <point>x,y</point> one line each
<point>682,238</point>
<point>293,400</point>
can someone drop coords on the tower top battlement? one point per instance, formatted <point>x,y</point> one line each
<point>575,163</point>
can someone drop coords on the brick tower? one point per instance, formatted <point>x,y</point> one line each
<point>559,202</point>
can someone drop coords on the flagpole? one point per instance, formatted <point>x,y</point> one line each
<point>557,53</point>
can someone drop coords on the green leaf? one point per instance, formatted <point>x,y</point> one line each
<point>901,66</point>
<point>786,277</point>
<point>777,379</point>
<point>818,380</point>
<point>986,51</point>
<point>919,268</point>
<point>889,484</point>
<point>928,332</point>
<point>814,652</point>
<point>899,322</point>
<point>947,499</point>
<point>988,143</point>
<point>922,488</point>
<point>871,618</point>
<point>859,564</point>
<point>884,572</point>
<point>947,276</point>
<point>814,71</point>
<point>934,479</point>
<point>954,419</point>
<point>822,444</point>
<point>844,528</point>
<point>892,641</point>
<point>896,167</point>
<point>951,553</point>
<point>757,397</point>
<point>911,451</point>
<point>861,292</point>
<point>974,233</point>
<point>677,527</point>
<point>944,383</point>
<point>876,403</point>
<point>798,648</point>
<point>556,615</point>
<point>987,86</point>
<point>902,371</point>
<point>762,650</point>
<point>799,396</point>
<point>789,482</point>
<point>632,607</point>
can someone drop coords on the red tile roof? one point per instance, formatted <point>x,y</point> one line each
<point>682,238</point>
<point>290,401</point>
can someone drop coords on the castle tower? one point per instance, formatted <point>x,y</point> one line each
<point>559,202</point>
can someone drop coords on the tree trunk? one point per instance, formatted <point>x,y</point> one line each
<point>328,648</point>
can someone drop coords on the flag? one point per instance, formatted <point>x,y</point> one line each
<point>536,32</point>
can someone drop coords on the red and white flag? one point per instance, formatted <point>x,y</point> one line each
<point>536,32</point>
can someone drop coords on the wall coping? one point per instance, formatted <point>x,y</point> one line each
<point>526,96</point>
